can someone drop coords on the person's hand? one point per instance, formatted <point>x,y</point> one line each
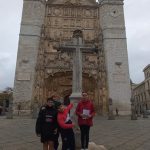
<point>84,116</point>
<point>89,116</point>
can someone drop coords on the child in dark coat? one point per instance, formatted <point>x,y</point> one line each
<point>46,125</point>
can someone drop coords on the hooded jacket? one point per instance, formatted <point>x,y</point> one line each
<point>47,121</point>
<point>82,107</point>
<point>62,117</point>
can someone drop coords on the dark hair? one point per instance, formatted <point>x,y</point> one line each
<point>49,99</point>
<point>58,104</point>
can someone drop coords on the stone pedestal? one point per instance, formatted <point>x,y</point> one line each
<point>74,119</point>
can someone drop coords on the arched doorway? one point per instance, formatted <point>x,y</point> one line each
<point>61,82</point>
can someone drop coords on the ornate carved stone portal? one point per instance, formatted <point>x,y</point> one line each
<point>54,68</point>
<point>42,69</point>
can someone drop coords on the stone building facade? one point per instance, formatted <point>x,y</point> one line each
<point>141,92</point>
<point>42,70</point>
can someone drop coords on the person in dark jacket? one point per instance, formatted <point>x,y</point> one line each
<point>67,100</point>
<point>56,99</point>
<point>66,127</point>
<point>85,112</point>
<point>46,125</point>
<point>1,108</point>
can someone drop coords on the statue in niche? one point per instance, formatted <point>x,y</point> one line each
<point>78,2</point>
<point>65,57</point>
<point>87,36</point>
<point>118,67</point>
<point>68,1</point>
<point>87,24</point>
<point>56,22</point>
<point>49,21</point>
<point>72,22</point>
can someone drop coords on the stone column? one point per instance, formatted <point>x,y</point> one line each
<point>115,49</point>
<point>32,20</point>
<point>77,87</point>
<point>138,110</point>
<point>77,69</point>
<point>144,111</point>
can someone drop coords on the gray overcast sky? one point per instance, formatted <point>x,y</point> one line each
<point>137,18</point>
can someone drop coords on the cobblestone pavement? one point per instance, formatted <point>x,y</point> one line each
<point>119,134</point>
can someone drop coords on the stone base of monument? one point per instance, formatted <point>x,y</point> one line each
<point>76,95</point>
<point>92,146</point>
<point>133,117</point>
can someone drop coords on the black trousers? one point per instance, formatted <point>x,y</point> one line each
<point>68,139</point>
<point>56,143</point>
<point>84,136</point>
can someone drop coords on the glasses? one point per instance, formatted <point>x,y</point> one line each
<point>50,102</point>
<point>84,95</point>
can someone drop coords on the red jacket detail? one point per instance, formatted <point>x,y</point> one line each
<point>88,105</point>
<point>61,118</point>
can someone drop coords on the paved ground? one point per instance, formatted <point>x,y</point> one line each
<point>120,134</point>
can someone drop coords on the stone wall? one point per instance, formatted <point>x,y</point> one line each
<point>32,20</point>
<point>115,48</point>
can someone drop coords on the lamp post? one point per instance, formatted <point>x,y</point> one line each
<point>9,114</point>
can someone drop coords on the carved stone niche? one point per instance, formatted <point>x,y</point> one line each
<point>92,59</point>
<point>66,57</point>
<point>25,60</point>
<point>75,2</point>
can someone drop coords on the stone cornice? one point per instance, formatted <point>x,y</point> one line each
<point>73,2</point>
<point>148,66</point>
<point>42,1</point>
<point>71,5</point>
<point>111,2</point>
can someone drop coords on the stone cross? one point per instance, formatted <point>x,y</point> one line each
<point>77,47</point>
